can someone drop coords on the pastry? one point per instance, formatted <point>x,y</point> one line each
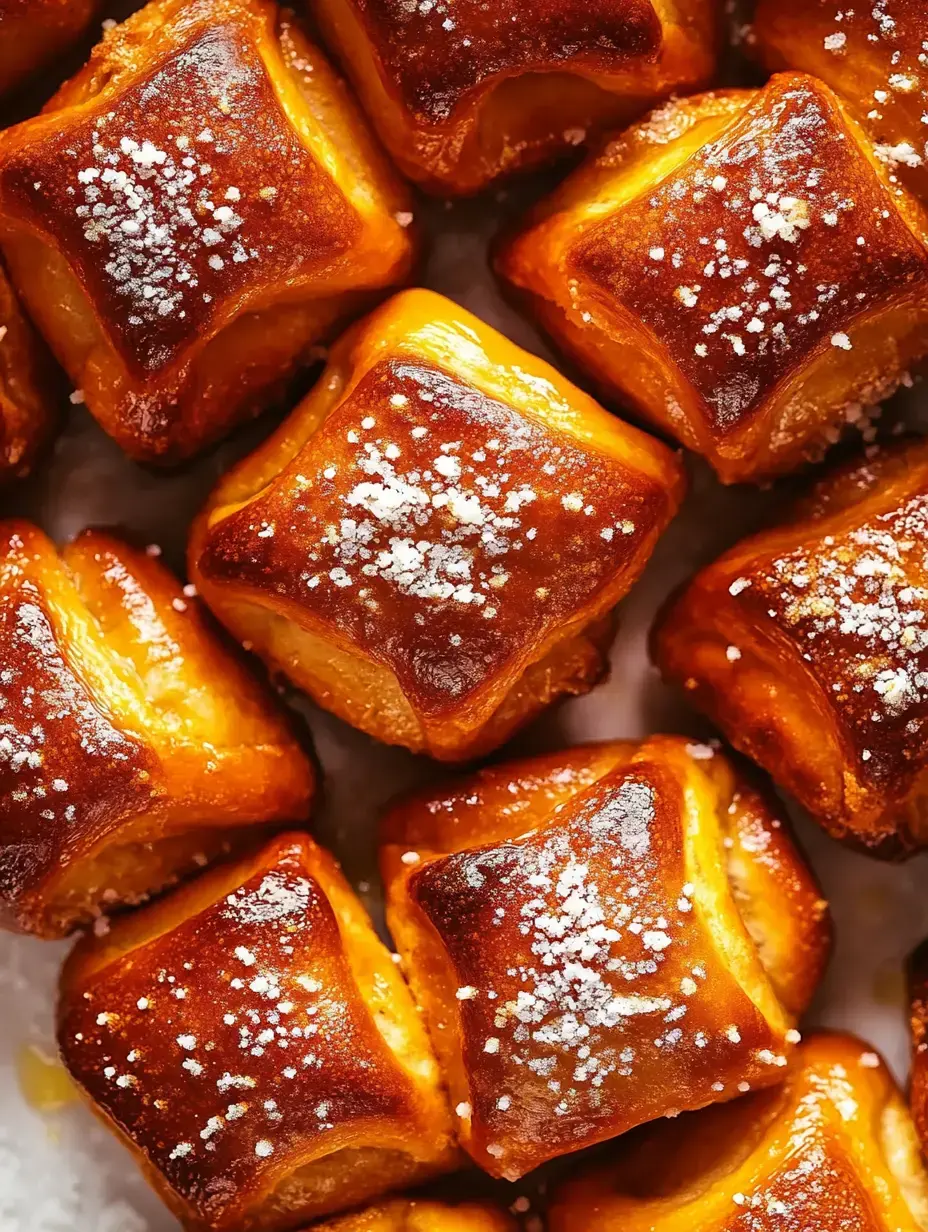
<point>191,214</point>
<point>873,55</point>
<point>415,1215</point>
<point>34,32</point>
<point>28,391</point>
<point>134,746</point>
<point>739,270</point>
<point>808,645</point>
<point>832,1150</point>
<point>918,1019</point>
<point>251,1041</point>
<point>461,93</point>
<point>432,543</point>
<point>598,938</point>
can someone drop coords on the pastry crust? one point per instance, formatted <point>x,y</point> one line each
<point>807,644</point>
<point>432,543</point>
<point>415,1215</point>
<point>192,213</point>
<point>28,395</point>
<point>738,269</point>
<point>598,938</point>
<point>918,1022</point>
<point>873,55</point>
<point>833,1149</point>
<point>34,32</point>
<point>463,93</point>
<point>252,1042</point>
<point>134,747</point>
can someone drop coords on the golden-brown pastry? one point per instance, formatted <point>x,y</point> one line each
<point>431,545</point>
<point>134,747</point>
<point>420,1215</point>
<point>808,645</point>
<point>833,1150</point>
<point>600,937</point>
<point>918,1019</point>
<point>27,388</point>
<point>739,270</point>
<point>873,55</point>
<point>193,212</point>
<point>34,32</point>
<point>251,1040</point>
<point>462,92</point>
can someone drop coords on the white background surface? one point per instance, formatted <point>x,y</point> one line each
<point>64,1173</point>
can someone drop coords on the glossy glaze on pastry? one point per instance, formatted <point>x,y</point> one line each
<point>738,269</point>
<point>600,937</point>
<point>431,545</point>
<point>463,92</point>
<point>808,645</point>
<point>191,214</point>
<point>833,1150</point>
<point>134,746</point>
<point>254,1045</point>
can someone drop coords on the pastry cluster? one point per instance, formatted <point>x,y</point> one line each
<point>616,942</point>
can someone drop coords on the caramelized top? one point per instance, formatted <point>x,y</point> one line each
<point>435,53</point>
<point>66,772</point>
<point>438,530</point>
<point>180,190</point>
<point>587,984</point>
<point>758,251</point>
<point>234,1045</point>
<point>852,599</point>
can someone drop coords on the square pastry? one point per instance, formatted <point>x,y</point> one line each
<point>34,32</point>
<point>833,1150</point>
<point>873,55</point>
<point>739,269</point>
<point>599,938</point>
<point>134,746</point>
<point>462,92</point>
<point>28,389</point>
<point>808,645</point>
<point>190,214</point>
<point>432,543</point>
<point>252,1042</point>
